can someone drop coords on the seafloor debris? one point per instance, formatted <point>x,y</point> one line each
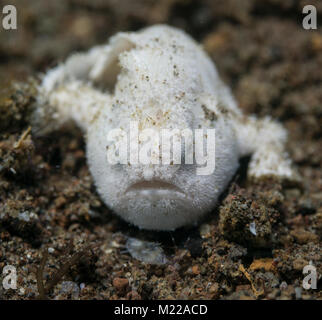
<point>248,221</point>
<point>145,251</point>
<point>65,265</point>
<point>16,104</point>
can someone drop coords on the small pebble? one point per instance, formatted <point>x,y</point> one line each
<point>120,284</point>
<point>70,287</point>
<point>51,250</point>
<point>298,293</point>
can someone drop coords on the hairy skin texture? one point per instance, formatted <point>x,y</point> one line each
<point>161,78</point>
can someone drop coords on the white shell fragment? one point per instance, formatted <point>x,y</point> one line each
<point>252,228</point>
<point>145,251</point>
<point>160,78</point>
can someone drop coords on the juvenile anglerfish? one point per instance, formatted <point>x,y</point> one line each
<point>158,78</point>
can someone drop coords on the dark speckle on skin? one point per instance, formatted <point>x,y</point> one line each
<point>210,115</point>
